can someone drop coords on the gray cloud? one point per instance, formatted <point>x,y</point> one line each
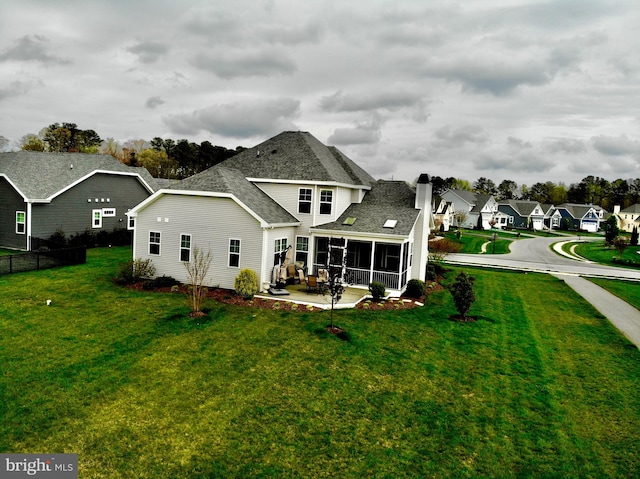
<point>149,52</point>
<point>566,145</point>
<point>616,145</point>
<point>389,100</point>
<point>15,88</point>
<point>525,162</point>
<point>364,133</point>
<point>238,120</point>
<point>246,64</point>
<point>154,102</point>
<point>456,137</point>
<point>32,48</point>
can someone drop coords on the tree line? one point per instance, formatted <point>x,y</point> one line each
<point>163,158</point>
<point>590,190</point>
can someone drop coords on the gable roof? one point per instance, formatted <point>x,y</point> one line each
<point>522,207</point>
<point>387,200</point>
<point>480,202</point>
<point>298,156</point>
<point>577,211</point>
<point>42,176</point>
<point>466,195</point>
<point>633,209</point>
<point>230,182</point>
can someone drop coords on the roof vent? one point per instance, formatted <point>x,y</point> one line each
<point>273,152</point>
<point>257,153</point>
<point>71,167</point>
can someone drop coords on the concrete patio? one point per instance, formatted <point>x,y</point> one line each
<point>298,294</point>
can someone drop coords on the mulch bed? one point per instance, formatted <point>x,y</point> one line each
<point>226,296</point>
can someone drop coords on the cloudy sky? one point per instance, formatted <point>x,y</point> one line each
<point>522,90</point>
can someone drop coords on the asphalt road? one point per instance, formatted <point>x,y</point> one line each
<point>536,254</point>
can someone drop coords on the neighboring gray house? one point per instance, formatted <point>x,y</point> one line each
<point>41,193</point>
<point>577,217</point>
<point>472,208</point>
<point>285,197</point>
<point>522,214</point>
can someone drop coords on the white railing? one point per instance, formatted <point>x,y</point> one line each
<point>359,276</point>
<point>390,280</point>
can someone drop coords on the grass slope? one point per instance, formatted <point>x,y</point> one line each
<point>138,389</point>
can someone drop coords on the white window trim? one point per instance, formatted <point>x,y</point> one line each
<point>150,243</point>
<point>131,223</point>
<point>108,212</point>
<point>93,218</point>
<point>309,201</point>
<point>283,246</point>
<point>330,203</point>
<point>180,248</point>
<point>23,223</point>
<point>230,253</point>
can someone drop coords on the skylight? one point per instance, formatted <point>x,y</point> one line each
<point>390,224</point>
<point>349,221</point>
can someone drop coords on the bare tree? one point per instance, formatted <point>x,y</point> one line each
<point>197,269</point>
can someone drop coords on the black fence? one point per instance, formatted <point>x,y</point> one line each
<point>44,255</point>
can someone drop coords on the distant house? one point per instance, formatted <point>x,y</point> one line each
<point>472,209</point>
<point>577,217</point>
<point>444,215</point>
<point>42,193</point>
<point>628,218</point>
<point>522,214</point>
<point>281,203</point>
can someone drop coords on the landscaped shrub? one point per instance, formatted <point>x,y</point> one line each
<point>160,282</point>
<point>463,294</point>
<point>377,290</point>
<point>415,288</point>
<point>246,283</point>
<point>133,271</point>
<point>431,272</point>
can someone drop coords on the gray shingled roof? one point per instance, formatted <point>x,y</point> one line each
<point>634,209</point>
<point>466,195</point>
<point>387,200</point>
<point>481,200</point>
<point>298,156</point>
<point>577,210</point>
<point>42,175</point>
<point>522,207</point>
<point>221,179</point>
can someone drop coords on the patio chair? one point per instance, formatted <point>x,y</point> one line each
<point>312,283</point>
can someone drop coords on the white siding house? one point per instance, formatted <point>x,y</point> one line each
<point>289,193</point>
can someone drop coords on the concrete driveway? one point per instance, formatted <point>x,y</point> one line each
<point>536,254</point>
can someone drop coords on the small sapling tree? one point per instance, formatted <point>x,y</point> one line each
<point>197,269</point>
<point>463,294</point>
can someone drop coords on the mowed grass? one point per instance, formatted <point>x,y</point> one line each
<point>600,253</point>
<point>540,386</point>
<point>626,290</point>
<point>472,242</point>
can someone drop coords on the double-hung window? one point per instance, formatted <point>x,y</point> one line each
<point>326,200</point>
<point>304,200</point>
<point>279,250</point>
<point>302,249</point>
<point>96,219</point>
<point>154,243</point>
<point>234,253</point>
<point>20,222</point>
<point>185,248</point>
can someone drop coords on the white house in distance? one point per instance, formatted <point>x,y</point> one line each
<point>289,194</point>
<point>471,208</point>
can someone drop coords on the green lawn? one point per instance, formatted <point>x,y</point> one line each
<point>471,242</point>
<point>536,388</point>
<point>627,290</point>
<point>600,253</point>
